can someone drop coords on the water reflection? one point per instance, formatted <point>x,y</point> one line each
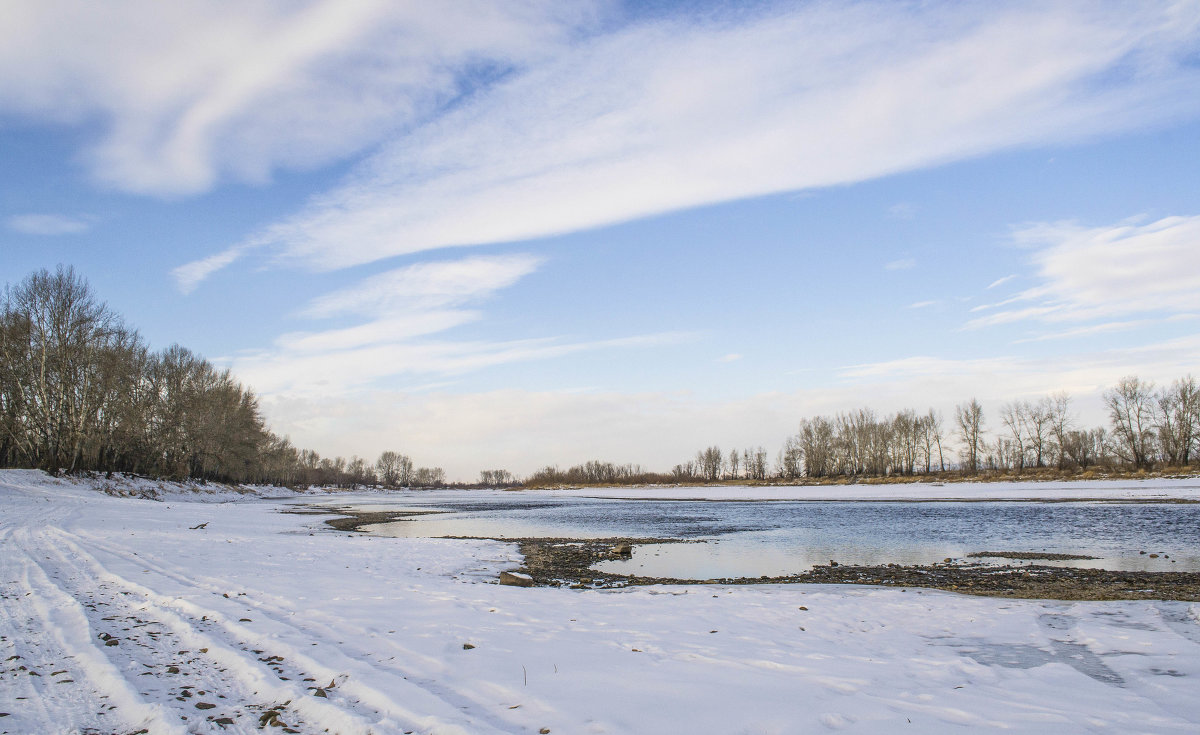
<point>751,539</point>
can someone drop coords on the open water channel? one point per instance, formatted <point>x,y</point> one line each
<point>774,538</point>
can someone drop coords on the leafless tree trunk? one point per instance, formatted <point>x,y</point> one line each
<point>1178,420</point>
<point>1131,410</point>
<point>1014,416</point>
<point>969,417</point>
<point>1060,425</point>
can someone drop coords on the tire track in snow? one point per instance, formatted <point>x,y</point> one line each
<point>454,710</point>
<point>302,678</point>
<point>55,674</point>
<point>208,685</point>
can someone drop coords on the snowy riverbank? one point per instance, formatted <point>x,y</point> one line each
<point>233,604</point>
<point>1151,489</point>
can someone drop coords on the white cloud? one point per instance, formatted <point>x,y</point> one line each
<point>731,357</point>
<point>426,286</point>
<point>402,309</point>
<point>682,113</point>
<point>1089,331</point>
<point>48,224</point>
<point>1005,377</point>
<point>190,92</point>
<point>384,330</point>
<point>903,210</point>
<point>922,304</point>
<point>1104,272</point>
<point>1000,281</point>
<point>190,275</point>
<point>321,364</point>
<point>901,265</point>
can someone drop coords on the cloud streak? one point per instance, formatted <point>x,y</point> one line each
<point>1091,273</point>
<point>190,93</point>
<point>673,114</point>
<point>400,312</point>
<point>48,224</point>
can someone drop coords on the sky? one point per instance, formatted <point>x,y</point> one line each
<point>509,235</point>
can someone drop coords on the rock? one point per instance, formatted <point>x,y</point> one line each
<point>467,646</point>
<point>832,563</point>
<point>623,550</point>
<point>1154,556</point>
<point>516,579</point>
<point>205,705</point>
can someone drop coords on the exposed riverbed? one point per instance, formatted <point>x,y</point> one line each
<point>1069,550</point>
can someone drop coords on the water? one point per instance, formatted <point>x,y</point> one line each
<point>751,539</point>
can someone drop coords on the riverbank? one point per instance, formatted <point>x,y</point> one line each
<point>569,562</point>
<point>223,615</point>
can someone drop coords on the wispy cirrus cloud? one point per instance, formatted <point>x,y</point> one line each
<point>659,116</point>
<point>426,286</point>
<point>340,370</point>
<point>404,314</point>
<point>1088,273</point>
<point>191,93</point>
<point>1004,377</point>
<point>49,224</point>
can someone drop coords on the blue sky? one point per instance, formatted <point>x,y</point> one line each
<point>512,234</point>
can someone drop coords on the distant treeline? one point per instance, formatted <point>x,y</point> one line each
<point>80,390</point>
<point>1148,428</point>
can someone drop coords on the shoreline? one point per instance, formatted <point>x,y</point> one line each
<point>567,562</point>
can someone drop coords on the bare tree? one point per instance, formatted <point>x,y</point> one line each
<point>388,468</point>
<point>55,332</point>
<point>1014,416</point>
<point>734,462</point>
<point>710,461</point>
<point>1039,422</point>
<point>757,468</point>
<point>1131,409</point>
<point>929,430</point>
<point>791,459</point>
<point>905,441</point>
<point>969,417</point>
<point>1178,420</point>
<point>816,440</point>
<point>1060,424</point>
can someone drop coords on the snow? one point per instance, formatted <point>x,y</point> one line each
<point>1147,489</point>
<point>273,617</point>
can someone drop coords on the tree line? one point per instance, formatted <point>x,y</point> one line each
<point>81,391</point>
<point>1149,427</point>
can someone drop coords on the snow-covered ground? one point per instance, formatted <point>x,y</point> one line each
<point>1148,489</point>
<point>121,614</point>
